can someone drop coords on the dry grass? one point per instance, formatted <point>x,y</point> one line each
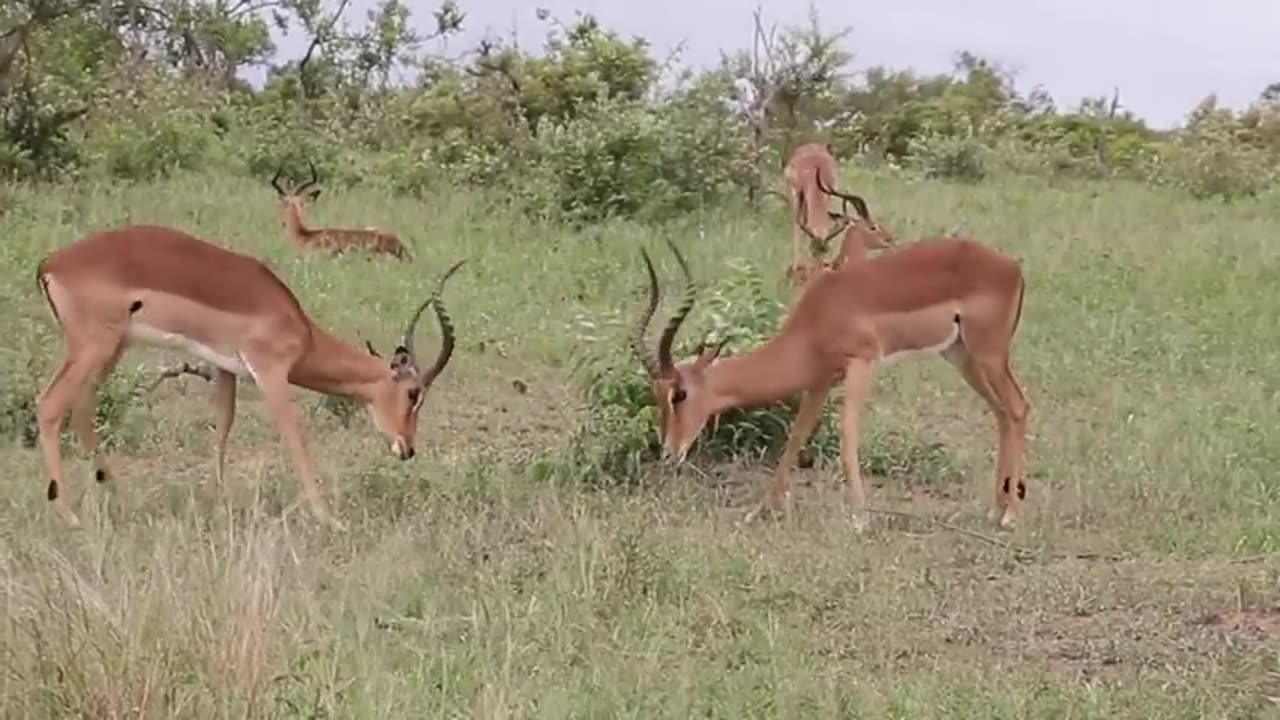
<point>1143,583</point>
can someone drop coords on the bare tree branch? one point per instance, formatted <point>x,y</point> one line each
<point>320,35</point>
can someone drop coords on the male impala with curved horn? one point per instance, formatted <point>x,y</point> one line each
<point>335,240</point>
<point>955,297</point>
<point>810,174</point>
<point>158,286</point>
<point>861,234</point>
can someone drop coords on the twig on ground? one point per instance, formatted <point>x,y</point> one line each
<point>997,542</point>
<point>183,368</point>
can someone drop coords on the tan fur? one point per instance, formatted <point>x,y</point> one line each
<point>951,296</point>
<point>146,284</point>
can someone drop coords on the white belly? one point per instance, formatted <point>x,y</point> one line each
<point>898,357</point>
<point>148,335</point>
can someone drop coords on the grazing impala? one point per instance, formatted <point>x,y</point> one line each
<point>811,177</point>
<point>861,234</point>
<point>162,287</point>
<point>335,240</point>
<point>955,297</point>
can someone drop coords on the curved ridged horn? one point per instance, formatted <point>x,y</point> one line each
<point>446,329</point>
<point>859,204</point>
<point>638,345</point>
<point>665,364</point>
<point>818,245</point>
<point>275,181</point>
<point>315,178</point>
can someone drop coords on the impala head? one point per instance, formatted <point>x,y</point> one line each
<point>292,201</point>
<point>395,401</point>
<point>859,229</point>
<point>680,390</point>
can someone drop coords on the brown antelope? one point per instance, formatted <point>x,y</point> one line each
<point>810,177</point>
<point>860,235</point>
<point>954,297</point>
<point>335,240</point>
<point>162,287</point>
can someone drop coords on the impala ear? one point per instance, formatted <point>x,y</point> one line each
<point>401,359</point>
<point>708,354</point>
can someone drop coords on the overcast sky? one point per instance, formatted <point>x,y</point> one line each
<point>1164,55</point>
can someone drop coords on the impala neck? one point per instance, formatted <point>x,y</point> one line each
<point>333,367</point>
<point>293,220</point>
<point>772,372</point>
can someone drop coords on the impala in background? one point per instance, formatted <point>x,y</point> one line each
<point>335,240</point>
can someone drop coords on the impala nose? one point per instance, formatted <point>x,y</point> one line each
<point>402,449</point>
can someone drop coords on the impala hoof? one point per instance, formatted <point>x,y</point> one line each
<point>69,518</point>
<point>859,522</point>
<point>330,521</point>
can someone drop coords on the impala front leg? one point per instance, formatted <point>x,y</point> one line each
<point>779,491</point>
<point>275,390</point>
<point>857,382</point>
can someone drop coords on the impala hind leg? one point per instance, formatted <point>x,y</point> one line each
<point>958,356</point>
<point>779,491</point>
<point>1012,415</point>
<point>66,389</point>
<point>223,399</point>
<point>84,411</point>
<point>857,383</point>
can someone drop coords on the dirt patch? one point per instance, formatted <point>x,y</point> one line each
<point>1260,625</point>
<point>1109,644</point>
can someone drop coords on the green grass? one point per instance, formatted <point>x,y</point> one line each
<point>1145,585</point>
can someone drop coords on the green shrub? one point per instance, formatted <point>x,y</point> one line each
<point>944,157</point>
<point>628,159</point>
<point>1215,169</point>
<point>151,125</point>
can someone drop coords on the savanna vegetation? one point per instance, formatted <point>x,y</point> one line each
<point>535,559</point>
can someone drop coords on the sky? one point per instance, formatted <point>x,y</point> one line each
<point>1163,55</point>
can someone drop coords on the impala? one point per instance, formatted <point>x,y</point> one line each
<point>954,297</point>
<point>335,240</point>
<point>860,234</point>
<point>150,285</point>
<point>810,175</point>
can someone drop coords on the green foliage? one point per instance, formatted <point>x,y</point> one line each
<point>586,127</point>
<point>1215,157</point>
<point>624,158</point>
<point>944,157</point>
<point>147,125</point>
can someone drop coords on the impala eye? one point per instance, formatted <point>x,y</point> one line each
<point>414,394</point>
<point>677,396</point>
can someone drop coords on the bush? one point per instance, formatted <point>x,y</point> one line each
<point>960,158</point>
<point>146,127</point>
<point>628,159</point>
<point>1215,169</point>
